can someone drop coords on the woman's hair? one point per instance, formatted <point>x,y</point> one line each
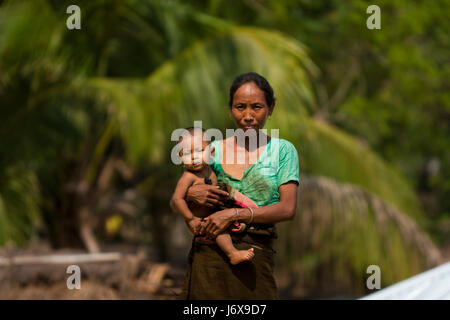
<point>259,80</point>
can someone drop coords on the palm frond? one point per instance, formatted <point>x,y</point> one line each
<point>193,87</point>
<point>18,205</point>
<point>340,229</point>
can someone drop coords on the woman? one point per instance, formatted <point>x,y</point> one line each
<point>271,182</point>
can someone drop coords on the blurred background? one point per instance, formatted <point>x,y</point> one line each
<point>86,117</point>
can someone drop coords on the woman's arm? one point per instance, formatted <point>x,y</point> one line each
<point>281,211</point>
<point>217,222</point>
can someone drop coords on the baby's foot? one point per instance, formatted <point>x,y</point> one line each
<point>239,256</point>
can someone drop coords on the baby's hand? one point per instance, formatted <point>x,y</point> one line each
<point>194,225</point>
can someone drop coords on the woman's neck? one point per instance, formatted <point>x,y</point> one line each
<point>252,142</point>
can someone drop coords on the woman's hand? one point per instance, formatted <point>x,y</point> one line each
<point>217,222</point>
<point>206,195</point>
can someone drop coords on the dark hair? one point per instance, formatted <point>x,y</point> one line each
<point>259,80</point>
<point>191,131</point>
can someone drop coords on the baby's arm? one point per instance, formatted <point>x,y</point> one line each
<point>178,203</point>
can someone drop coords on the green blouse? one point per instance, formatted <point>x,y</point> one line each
<point>276,165</point>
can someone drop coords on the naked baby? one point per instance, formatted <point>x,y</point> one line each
<point>198,171</point>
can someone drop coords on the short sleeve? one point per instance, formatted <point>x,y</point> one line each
<point>215,160</point>
<point>288,169</point>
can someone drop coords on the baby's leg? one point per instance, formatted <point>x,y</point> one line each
<point>236,256</point>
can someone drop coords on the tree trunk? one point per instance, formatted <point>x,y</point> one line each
<point>86,231</point>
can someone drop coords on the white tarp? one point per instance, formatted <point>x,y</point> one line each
<point>433,284</point>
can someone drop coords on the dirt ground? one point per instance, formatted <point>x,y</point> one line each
<point>137,275</point>
<point>133,277</point>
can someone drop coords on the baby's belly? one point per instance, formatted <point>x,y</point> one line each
<point>200,211</point>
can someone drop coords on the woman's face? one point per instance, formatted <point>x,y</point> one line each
<point>250,109</point>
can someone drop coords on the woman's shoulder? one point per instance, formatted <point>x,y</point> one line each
<point>216,143</point>
<point>225,143</point>
<point>284,145</point>
<point>216,157</point>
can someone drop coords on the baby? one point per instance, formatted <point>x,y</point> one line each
<point>198,171</point>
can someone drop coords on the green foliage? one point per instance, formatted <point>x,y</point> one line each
<point>18,205</point>
<point>137,70</point>
<point>44,109</point>
<point>339,230</point>
<point>191,87</point>
<point>387,87</point>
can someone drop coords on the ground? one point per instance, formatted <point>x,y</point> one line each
<point>137,276</point>
<point>129,278</point>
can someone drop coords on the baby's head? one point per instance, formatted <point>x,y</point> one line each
<point>196,150</point>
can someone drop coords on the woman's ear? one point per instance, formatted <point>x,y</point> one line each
<point>271,108</point>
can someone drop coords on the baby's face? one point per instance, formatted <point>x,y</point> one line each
<point>195,152</point>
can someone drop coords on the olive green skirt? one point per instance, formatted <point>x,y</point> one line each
<point>210,275</point>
